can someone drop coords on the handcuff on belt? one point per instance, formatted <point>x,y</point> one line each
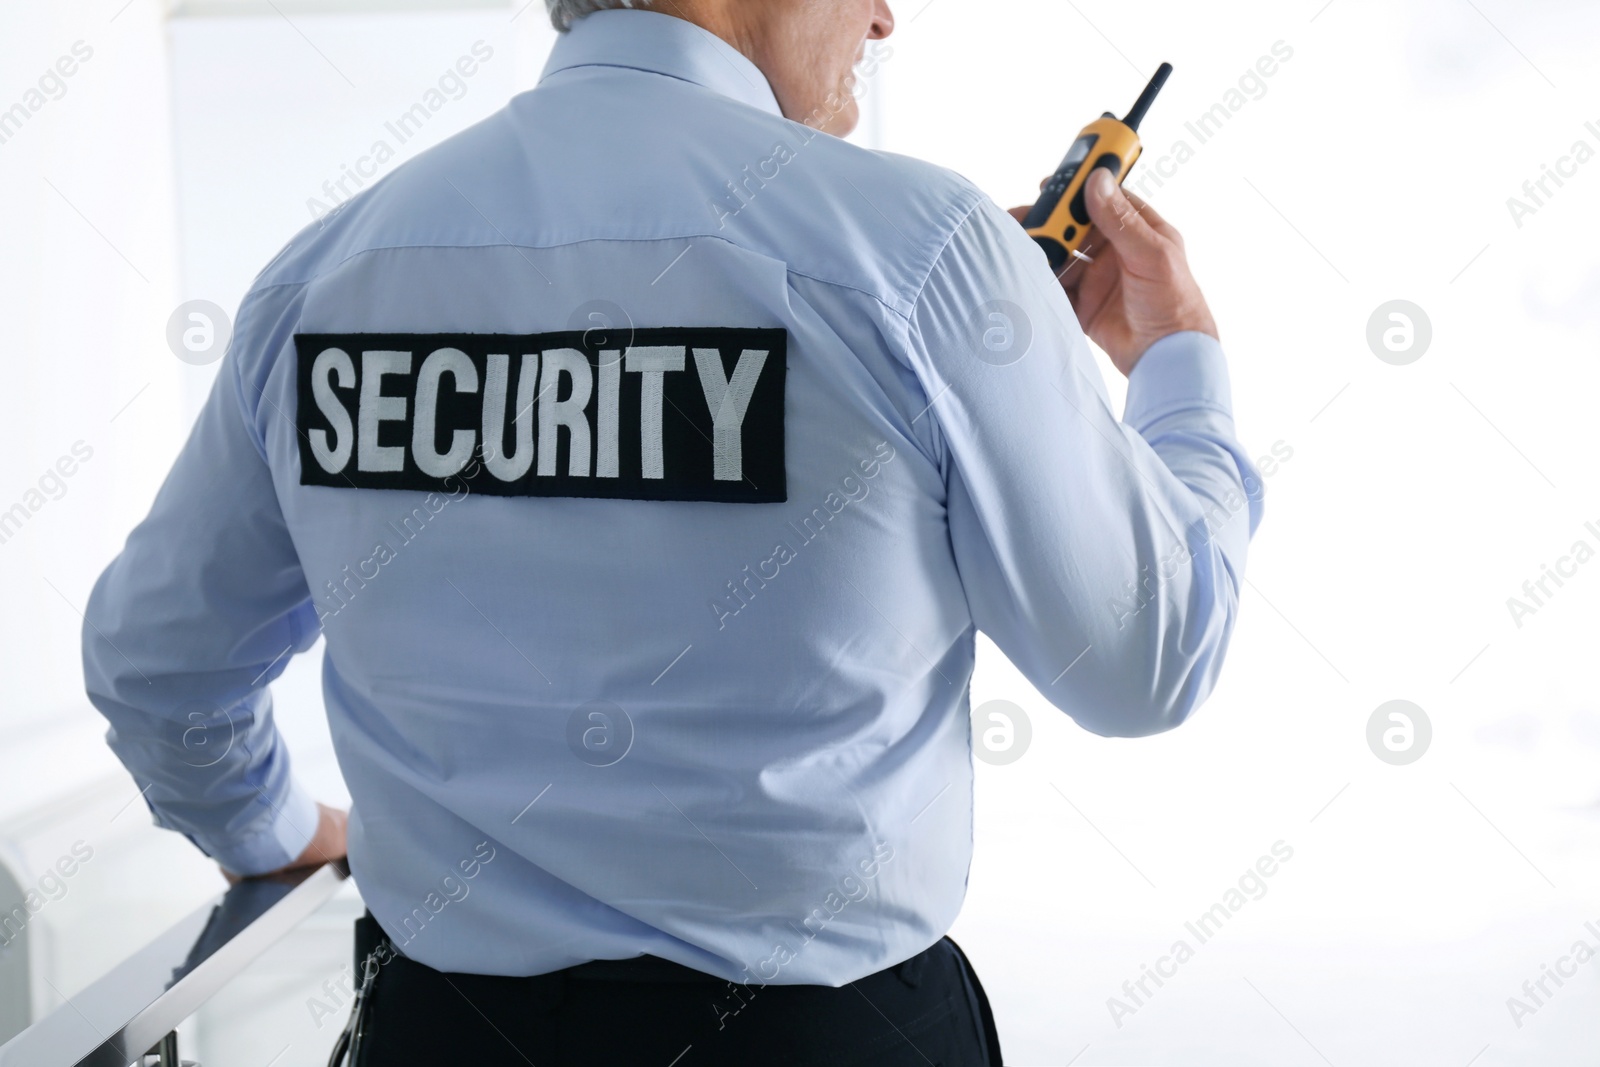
<point>347,1049</point>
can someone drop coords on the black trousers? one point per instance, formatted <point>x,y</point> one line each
<point>650,1012</point>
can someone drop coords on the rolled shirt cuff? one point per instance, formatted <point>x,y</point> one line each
<point>289,824</point>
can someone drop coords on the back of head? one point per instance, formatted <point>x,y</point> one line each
<point>563,12</point>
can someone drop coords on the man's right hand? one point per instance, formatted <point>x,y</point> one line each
<point>1138,289</point>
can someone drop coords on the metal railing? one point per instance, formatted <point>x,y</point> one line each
<point>131,1015</point>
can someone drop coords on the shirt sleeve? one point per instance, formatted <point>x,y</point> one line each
<point>185,630</point>
<point>1103,557</point>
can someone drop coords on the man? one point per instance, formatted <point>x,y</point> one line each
<point>649,460</point>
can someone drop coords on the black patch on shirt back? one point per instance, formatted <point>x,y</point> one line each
<point>678,413</point>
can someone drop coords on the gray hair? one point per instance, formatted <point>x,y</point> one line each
<point>562,12</point>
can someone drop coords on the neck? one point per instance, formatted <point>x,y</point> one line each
<point>727,20</point>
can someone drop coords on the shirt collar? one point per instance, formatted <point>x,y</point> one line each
<point>663,44</point>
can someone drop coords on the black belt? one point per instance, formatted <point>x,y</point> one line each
<point>639,969</point>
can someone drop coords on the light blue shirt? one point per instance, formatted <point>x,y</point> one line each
<point>732,732</point>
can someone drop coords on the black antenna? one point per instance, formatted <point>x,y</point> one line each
<point>1146,98</point>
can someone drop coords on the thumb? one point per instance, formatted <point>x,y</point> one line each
<point>1138,244</point>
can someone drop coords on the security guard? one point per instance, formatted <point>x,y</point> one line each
<point>649,457</point>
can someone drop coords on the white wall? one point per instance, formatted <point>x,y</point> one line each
<point>88,275</point>
<point>1375,165</point>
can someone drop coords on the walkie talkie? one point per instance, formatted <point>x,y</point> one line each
<point>1059,220</point>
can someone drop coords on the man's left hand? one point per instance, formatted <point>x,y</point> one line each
<point>327,844</point>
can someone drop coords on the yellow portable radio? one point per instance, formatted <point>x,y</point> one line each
<point>1059,220</point>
